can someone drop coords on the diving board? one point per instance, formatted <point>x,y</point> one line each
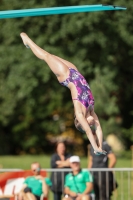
<point>57,10</point>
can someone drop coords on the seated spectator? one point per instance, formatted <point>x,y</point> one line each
<point>78,183</point>
<point>34,186</point>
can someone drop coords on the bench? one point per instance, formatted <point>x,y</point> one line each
<point>11,183</point>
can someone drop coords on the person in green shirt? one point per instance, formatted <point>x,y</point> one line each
<point>78,183</point>
<point>34,186</point>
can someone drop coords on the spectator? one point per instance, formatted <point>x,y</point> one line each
<point>34,186</point>
<point>104,182</point>
<point>79,183</point>
<point>60,159</point>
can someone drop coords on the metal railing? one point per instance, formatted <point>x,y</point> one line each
<point>122,181</point>
<point>123,176</point>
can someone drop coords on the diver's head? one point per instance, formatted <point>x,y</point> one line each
<point>90,121</point>
<point>78,126</point>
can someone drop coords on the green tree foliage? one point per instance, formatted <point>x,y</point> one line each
<point>100,44</point>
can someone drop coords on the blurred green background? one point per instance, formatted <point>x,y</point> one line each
<point>35,111</point>
<point>24,162</point>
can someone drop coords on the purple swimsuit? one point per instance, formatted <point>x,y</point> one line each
<point>84,93</point>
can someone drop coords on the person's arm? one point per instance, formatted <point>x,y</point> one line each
<point>90,162</point>
<point>67,185</point>
<point>45,188</point>
<point>24,186</point>
<point>98,131</point>
<point>63,163</point>
<point>81,119</point>
<point>53,161</point>
<point>19,195</point>
<point>89,182</point>
<point>111,156</point>
<point>69,192</point>
<point>89,188</point>
<point>112,160</point>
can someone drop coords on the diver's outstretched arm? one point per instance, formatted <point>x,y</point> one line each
<point>81,119</point>
<point>99,132</point>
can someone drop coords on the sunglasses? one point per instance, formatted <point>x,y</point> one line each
<point>36,170</point>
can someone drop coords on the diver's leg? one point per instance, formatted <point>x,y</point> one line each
<point>59,68</point>
<point>69,64</point>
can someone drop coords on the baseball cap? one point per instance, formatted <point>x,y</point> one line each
<point>74,159</point>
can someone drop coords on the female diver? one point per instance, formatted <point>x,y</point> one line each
<point>83,100</point>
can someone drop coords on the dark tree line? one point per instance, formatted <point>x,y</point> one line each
<point>100,44</point>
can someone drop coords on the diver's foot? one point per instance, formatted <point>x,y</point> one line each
<point>100,152</point>
<point>25,39</point>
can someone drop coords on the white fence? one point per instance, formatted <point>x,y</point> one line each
<point>123,176</point>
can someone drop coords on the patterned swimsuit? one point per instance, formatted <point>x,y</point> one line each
<point>84,93</point>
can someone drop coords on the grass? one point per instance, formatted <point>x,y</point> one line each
<point>23,162</point>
